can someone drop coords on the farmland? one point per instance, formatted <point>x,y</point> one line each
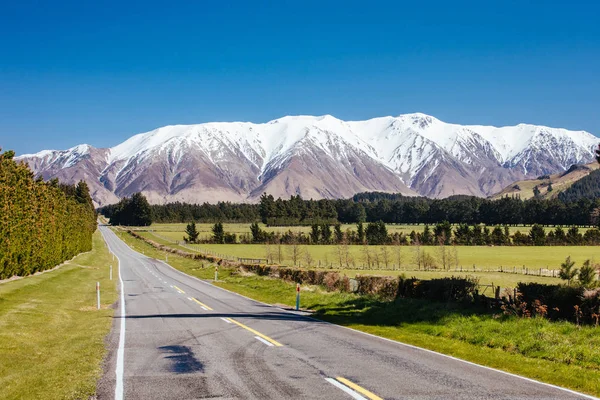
<point>487,260</point>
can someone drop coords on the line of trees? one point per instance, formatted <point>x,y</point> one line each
<point>396,208</point>
<point>386,207</point>
<point>42,223</point>
<point>443,233</point>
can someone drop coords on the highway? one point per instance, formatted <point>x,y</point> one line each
<point>177,337</point>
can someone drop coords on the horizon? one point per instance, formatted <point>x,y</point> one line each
<point>76,73</point>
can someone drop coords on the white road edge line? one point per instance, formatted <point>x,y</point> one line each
<point>226,320</point>
<point>587,396</point>
<point>263,340</point>
<point>120,369</point>
<point>345,388</point>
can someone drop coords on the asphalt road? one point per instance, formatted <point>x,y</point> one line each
<point>187,339</point>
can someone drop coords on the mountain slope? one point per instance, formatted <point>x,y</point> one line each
<point>561,183</point>
<point>318,157</point>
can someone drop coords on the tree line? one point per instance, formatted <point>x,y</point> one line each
<point>42,223</point>
<point>385,207</point>
<point>376,233</point>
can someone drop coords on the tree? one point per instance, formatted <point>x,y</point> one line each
<point>192,233</point>
<point>360,232</point>
<point>326,233</point>
<point>567,271</point>
<point>339,235</point>
<point>376,233</point>
<point>218,233</point>
<point>315,234</point>
<point>587,274</point>
<point>257,233</point>
<point>536,192</point>
<point>550,188</point>
<point>537,234</point>
<point>295,249</point>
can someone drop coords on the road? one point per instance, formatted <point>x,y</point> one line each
<point>187,339</point>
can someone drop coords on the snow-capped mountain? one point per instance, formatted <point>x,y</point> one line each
<point>317,157</point>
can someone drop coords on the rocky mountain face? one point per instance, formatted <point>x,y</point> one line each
<point>316,157</point>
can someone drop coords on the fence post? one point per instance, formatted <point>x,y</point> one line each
<point>98,295</point>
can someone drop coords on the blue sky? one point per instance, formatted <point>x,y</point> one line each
<point>99,72</point>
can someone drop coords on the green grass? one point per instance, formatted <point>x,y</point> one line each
<point>51,335</point>
<point>486,257</point>
<point>176,231</point>
<point>558,353</point>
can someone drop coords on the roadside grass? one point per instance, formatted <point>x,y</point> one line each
<point>51,335</point>
<point>559,353</point>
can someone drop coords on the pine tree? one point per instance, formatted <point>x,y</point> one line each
<point>192,233</point>
<point>567,271</point>
<point>587,274</point>
<point>218,233</point>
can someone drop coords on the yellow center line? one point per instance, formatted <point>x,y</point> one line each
<point>180,291</point>
<point>359,389</point>
<point>268,339</point>
<point>202,304</point>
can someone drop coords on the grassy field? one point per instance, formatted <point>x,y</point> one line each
<point>483,257</point>
<point>51,335</point>
<point>558,353</point>
<point>176,231</point>
<point>503,279</point>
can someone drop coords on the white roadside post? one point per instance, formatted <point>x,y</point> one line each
<point>98,295</point>
<point>216,273</point>
<point>110,273</point>
<point>297,296</point>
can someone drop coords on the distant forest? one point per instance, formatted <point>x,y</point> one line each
<point>386,207</point>
<point>42,223</point>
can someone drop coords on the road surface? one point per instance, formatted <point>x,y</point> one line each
<point>186,339</point>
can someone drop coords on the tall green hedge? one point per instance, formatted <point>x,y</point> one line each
<point>42,223</point>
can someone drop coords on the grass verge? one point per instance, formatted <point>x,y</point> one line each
<point>51,335</point>
<point>553,352</point>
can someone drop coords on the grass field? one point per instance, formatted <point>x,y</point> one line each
<point>51,335</point>
<point>486,257</point>
<point>557,353</point>
<point>176,231</point>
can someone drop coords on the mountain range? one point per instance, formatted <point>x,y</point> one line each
<point>316,157</point>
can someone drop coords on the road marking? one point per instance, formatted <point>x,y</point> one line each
<point>345,389</point>
<point>268,339</point>
<point>180,291</point>
<point>264,341</point>
<point>202,304</point>
<point>119,370</point>
<point>226,320</point>
<point>396,342</point>
<point>190,299</point>
<point>359,389</point>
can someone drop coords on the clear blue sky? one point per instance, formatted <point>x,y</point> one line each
<point>98,72</point>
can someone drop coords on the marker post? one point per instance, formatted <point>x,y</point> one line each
<point>216,273</point>
<point>297,296</point>
<point>110,273</point>
<point>98,295</point>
